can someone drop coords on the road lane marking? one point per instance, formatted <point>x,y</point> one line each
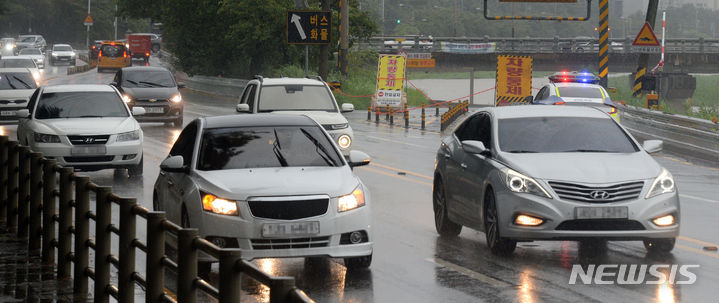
<point>468,272</point>
<point>698,198</point>
<point>698,251</point>
<point>401,170</point>
<point>377,171</point>
<point>700,242</point>
<point>672,140</point>
<point>400,142</point>
<point>688,163</point>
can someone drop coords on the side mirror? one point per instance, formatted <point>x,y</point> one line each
<point>347,107</point>
<point>529,99</point>
<point>358,158</point>
<point>181,85</point>
<point>138,111</point>
<point>474,147</point>
<point>22,113</point>
<point>174,164</point>
<point>243,108</point>
<point>653,146</point>
<point>113,83</point>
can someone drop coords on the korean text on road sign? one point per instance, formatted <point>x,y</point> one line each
<point>390,79</point>
<point>514,79</point>
<point>309,27</point>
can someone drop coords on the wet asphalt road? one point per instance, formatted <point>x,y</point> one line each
<point>413,264</point>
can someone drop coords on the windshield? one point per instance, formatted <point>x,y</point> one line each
<point>579,92</point>
<point>80,105</point>
<point>62,48</point>
<point>562,134</point>
<point>30,51</point>
<point>112,50</point>
<point>255,147</point>
<point>148,79</point>
<point>295,97</point>
<point>27,39</point>
<point>23,63</point>
<point>16,81</point>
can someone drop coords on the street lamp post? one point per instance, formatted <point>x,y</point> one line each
<point>87,36</point>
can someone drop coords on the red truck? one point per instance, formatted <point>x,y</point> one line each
<point>140,46</point>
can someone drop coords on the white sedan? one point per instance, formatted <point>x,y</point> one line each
<point>87,127</point>
<point>275,186</point>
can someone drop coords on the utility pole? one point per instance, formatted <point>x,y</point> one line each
<point>87,36</point>
<point>644,58</point>
<point>324,69</point>
<point>115,21</point>
<point>342,58</point>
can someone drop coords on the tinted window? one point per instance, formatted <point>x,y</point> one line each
<point>237,148</point>
<point>27,39</point>
<point>295,97</point>
<point>147,79</point>
<point>30,51</point>
<point>80,105</point>
<point>62,48</point>
<point>23,63</point>
<point>563,134</point>
<point>17,81</point>
<point>112,50</point>
<point>185,143</point>
<point>579,92</point>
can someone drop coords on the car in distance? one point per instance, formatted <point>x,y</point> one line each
<point>95,49</point>
<point>87,127</point>
<point>155,41</point>
<point>153,88</point>
<point>62,53</point>
<point>523,173</point>
<point>311,97</point>
<point>35,54</point>
<point>275,186</point>
<point>112,55</point>
<point>32,41</point>
<point>22,62</point>
<point>16,87</point>
<point>576,89</point>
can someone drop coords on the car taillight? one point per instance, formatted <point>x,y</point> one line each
<point>99,54</point>
<point>147,54</point>
<point>124,54</point>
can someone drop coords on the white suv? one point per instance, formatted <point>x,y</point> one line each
<point>304,96</point>
<point>87,127</point>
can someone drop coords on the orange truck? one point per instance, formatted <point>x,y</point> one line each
<point>140,46</point>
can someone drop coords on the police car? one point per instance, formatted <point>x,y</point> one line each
<point>576,88</point>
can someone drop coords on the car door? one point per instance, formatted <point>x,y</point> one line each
<point>477,171</point>
<point>170,191</point>
<point>456,172</point>
<point>542,94</point>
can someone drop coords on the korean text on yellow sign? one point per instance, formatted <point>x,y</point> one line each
<point>390,79</point>
<point>514,79</point>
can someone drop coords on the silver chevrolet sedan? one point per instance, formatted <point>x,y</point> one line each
<point>523,173</point>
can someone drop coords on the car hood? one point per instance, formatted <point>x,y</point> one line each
<point>86,126</point>
<point>585,167</point>
<point>62,53</point>
<point>35,57</point>
<point>143,93</point>
<point>239,184</point>
<point>321,117</point>
<point>7,94</point>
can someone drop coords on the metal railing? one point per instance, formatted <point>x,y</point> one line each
<point>49,206</point>
<point>453,113</point>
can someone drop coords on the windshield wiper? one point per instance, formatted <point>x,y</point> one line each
<point>152,84</point>
<point>133,82</point>
<point>519,151</point>
<point>587,151</point>
<point>276,149</point>
<point>20,80</point>
<point>319,147</point>
<point>88,116</point>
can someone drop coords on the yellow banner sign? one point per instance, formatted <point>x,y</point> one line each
<point>390,79</point>
<point>420,63</point>
<point>514,79</point>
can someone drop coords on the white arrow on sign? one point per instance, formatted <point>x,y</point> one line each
<point>296,20</point>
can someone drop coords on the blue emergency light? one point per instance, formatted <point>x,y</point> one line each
<point>574,77</point>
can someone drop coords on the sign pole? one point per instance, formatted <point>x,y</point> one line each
<point>87,36</point>
<point>644,58</point>
<point>307,60</point>
<point>603,42</point>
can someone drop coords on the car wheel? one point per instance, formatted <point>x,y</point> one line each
<point>358,262</point>
<point>136,170</point>
<point>580,50</point>
<point>659,245</point>
<point>445,227</point>
<point>497,244</point>
<point>155,48</point>
<point>177,123</point>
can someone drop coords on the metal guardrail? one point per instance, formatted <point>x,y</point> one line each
<point>83,68</point>
<point>48,206</point>
<point>454,112</point>
<point>230,87</point>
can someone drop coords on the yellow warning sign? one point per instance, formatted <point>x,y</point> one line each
<point>88,20</point>
<point>646,37</point>
<point>514,80</point>
<point>390,79</point>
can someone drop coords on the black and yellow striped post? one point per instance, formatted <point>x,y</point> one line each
<point>644,58</point>
<point>603,42</point>
<point>638,78</point>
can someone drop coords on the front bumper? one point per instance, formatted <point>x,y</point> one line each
<point>117,155</point>
<point>638,225</point>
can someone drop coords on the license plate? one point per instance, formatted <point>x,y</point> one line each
<point>617,212</point>
<point>7,113</point>
<point>89,150</point>
<point>290,229</point>
<point>154,110</point>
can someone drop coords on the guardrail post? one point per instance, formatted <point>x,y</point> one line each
<point>155,275</point>
<point>23,191</point>
<point>125,283</point>
<point>3,178</point>
<point>186,265</point>
<point>436,107</point>
<point>103,238</point>
<point>64,264</point>
<point>280,289</point>
<point>230,277</point>
<point>12,170</point>
<point>391,117</point>
<point>49,182</point>
<point>423,117</point>
<point>82,235</point>
<point>377,115</point>
<point>406,116</point>
<point>369,113</point>
<point>35,203</point>
<point>387,114</point>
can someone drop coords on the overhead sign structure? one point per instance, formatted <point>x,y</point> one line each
<point>514,80</point>
<point>646,41</point>
<point>390,80</point>
<point>309,27</point>
<point>88,21</point>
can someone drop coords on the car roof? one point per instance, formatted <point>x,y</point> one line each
<point>61,44</point>
<point>78,88</point>
<point>143,68</point>
<point>530,111</point>
<point>291,81</point>
<point>29,35</point>
<point>15,70</point>
<point>258,120</point>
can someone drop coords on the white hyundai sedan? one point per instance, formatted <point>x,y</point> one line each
<point>87,127</point>
<point>275,186</point>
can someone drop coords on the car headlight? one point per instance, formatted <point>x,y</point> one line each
<point>36,76</point>
<point>176,98</point>
<point>664,183</point>
<point>72,54</point>
<point>217,205</point>
<point>126,98</point>
<point>46,138</point>
<point>53,54</point>
<point>129,136</point>
<point>344,141</point>
<point>351,201</point>
<point>520,183</point>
